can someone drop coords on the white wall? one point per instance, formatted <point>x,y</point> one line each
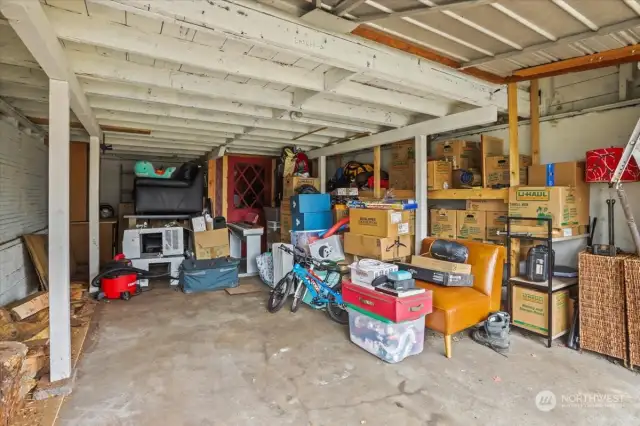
<point>23,207</point>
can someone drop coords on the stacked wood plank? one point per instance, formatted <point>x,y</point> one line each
<point>12,356</point>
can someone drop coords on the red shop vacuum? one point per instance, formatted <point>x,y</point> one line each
<point>118,279</point>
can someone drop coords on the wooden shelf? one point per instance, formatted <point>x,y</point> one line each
<point>399,194</point>
<point>558,283</point>
<point>470,194</point>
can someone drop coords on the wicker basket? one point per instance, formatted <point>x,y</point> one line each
<point>632,284</point>
<point>602,305</point>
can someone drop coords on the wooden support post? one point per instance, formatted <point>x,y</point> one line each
<point>273,182</point>
<point>376,171</point>
<point>514,165</point>
<point>225,184</point>
<point>322,173</point>
<point>535,122</point>
<point>59,247</point>
<point>420,150</point>
<point>514,159</point>
<point>211,184</point>
<point>94,209</point>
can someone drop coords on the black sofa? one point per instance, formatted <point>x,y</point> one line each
<point>181,194</point>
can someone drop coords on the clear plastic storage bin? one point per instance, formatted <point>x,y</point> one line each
<point>389,341</point>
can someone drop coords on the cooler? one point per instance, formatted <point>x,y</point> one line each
<point>396,309</point>
<point>208,274</point>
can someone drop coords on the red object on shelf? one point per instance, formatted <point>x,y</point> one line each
<point>602,163</point>
<point>396,309</point>
<point>384,183</point>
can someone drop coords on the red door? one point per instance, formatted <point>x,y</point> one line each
<point>249,187</point>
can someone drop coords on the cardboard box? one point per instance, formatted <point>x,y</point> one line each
<point>412,222</point>
<point>530,310</point>
<point>570,173</point>
<point>402,153</point>
<point>340,212</point>
<point>562,204</point>
<point>488,205</point>
<point>292,182</point>
<point>198,224</point>
<point>438,175</point>
<point>498,173</point>
<point>440,265</point>
<point>310,203</point>
<point>211,244</point>
<point>285,222</point>
<point>443,223</point>
<point>379,223</point>
<point>345,192</point>
<point>496,221</point>
<point>471,225</point>
<point>365,273</point>
<point>380,248</point>
<point>402,176</point>
<point>462,154</point>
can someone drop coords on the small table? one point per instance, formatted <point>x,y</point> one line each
<point>251,235</point>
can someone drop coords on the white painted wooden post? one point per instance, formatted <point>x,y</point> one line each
<point>322,165</point>
<point>59,271</point>
<point>94,208</point>
<point>421,190</point>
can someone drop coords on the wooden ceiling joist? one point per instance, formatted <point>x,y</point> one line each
<point>105,128</point>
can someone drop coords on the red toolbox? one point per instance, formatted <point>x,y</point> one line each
<point>396,309</point>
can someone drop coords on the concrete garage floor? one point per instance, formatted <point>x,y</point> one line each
<point>166,358</point>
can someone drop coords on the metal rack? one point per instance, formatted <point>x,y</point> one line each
<point>551,285</point>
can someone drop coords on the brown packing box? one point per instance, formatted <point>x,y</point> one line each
<point>412,222</point>
<point>402,153</point>
<point>402,176</point>
<point>440,265</point>
<point>498,172</point>
<point>438,175</point>
<point>563,204</point>
<point>443,223</point>
<point>211,244</point>
<point>293,182</point>
<point>471,225</point>
<point>530,310</point>
<point>570,173</point>
<point>487,205</point>
<point>285,222</point>
<point>339,214</point>
<point>496,221</point>
<point>379,223</point>
<point>463,154</point>
<point>379,248</point>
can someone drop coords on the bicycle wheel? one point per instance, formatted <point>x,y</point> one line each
<point>297,296</point>
<point>337,311</point>
<point>279,294</point>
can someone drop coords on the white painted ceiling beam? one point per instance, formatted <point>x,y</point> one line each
<point>156,144</point>
<point>423,10</point>
<point>353,127</point>
<point>141,154</point>
<point>95,66</point>
<point>19,91</point>
<point>9,111</point>
<point>83,29</point>
<point>260,25</point>
<point>29,21</point>
<point>253,152</point>
<point>25,76</point>
<point>474,117</point>
<point>186,139</point>
<point>250,137</point>
<point>178,123</point>
<point>164,150</point>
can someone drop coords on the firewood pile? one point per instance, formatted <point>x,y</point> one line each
<point>24,345</point>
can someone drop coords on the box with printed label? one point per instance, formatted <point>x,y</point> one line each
<point>531,310</point>
<point>498,173</point>
<point>310,203</point>
<point>345,192</point>
<point>487,205</point>
<point>496,221</point>
<point>562,204</point>
<point>443,223</point>
<point>472,225</point>
<point>285,222</point>
<point>440,265</point>
<point>379,223</point>
<point>462,154</point>
<point>211,244</point>
<point>292,183</point>
<point>366,270</point>
<point>438,175</point>
<point>311,221</point>
<point>379,248</point>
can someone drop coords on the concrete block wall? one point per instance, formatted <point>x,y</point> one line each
<point>23,207</point>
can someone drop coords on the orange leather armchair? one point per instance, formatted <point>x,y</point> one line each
<point>458,308</point>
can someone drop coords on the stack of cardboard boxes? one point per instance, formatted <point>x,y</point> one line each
<point>480,221</point>
<point>498,172</point>
<point>378,234</point>
<point>209,243</point>
<point>402,173</point>
<point>290,184</point>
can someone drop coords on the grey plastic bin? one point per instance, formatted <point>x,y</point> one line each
<point>208,274</point>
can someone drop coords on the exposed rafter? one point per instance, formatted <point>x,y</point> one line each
<point>346,6</point>
<point>421,10</point>
<point>10,111</point>
<point>32,26</point>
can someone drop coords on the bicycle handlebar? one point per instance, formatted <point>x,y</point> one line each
<point>299,256</point>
